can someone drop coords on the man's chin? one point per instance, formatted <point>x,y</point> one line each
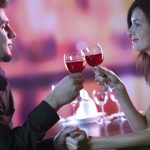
<point>6,59</point>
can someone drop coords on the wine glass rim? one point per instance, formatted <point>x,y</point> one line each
<point>72,56</point>
<point>100,91</point>
<point>73,53</point>
<point>87,50</point>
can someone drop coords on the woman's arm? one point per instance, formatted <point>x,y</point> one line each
<point>136,119</point>
<point>137,139</point>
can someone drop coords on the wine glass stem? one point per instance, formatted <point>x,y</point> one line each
<point>107,87</point>
<point>119,112</point>
<point>102,107</point>
<point>118,107</point>
<point>102,110</point>
<point>74,111</point>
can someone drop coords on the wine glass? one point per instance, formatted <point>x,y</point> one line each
<point>93,55</point>
<point>74,62</point>
<point>101,98</point>
<point>120,116</point>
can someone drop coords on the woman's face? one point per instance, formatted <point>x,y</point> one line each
<point>140,31</point>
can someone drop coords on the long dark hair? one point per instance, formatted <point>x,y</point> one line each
<point>144,5</point>
<point>143,65</point>
<point>143,59</point>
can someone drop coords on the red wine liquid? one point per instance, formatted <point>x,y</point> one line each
<point>75,66</point>
<point>94,60</point>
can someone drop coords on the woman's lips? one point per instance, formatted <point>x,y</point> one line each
<point>134,40</point>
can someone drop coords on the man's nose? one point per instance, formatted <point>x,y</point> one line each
<point>11,33</point>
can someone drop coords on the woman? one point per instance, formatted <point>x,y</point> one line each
<point>139,31</point>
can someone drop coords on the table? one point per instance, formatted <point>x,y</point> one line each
<point>96,130</point>
<point>93,129</point>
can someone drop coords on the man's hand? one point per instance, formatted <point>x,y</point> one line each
<point>65,91</point>
<point>60,138</point>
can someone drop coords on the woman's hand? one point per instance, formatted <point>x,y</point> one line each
<point>77,140</point>
<point>105,76</point>
<point>71,138</point>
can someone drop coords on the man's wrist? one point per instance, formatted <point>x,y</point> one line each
<point>52,103</point>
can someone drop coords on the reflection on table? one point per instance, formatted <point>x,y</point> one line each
<point>92,128</point>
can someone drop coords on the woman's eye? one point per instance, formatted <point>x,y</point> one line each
<point>137,24</point>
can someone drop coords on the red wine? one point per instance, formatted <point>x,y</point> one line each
<point>94,60</point>
<point>75,66</point>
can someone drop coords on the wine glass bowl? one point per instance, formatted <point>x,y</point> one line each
<point>100,97</point>
<point>74,62</point>
<point>93,55</point>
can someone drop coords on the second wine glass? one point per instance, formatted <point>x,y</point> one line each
<point>93,55</point>
<point>120,115</point>
<point>101,98</point>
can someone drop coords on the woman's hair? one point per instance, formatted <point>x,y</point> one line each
<point>143,65</point>
<point>3,3</point>
<point>143,59</point>
<point>144,5</point>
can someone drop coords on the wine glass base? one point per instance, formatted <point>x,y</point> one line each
<point>103,121</point>
<point>119,117</point>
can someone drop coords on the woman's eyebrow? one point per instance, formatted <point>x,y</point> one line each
<point>135,20</point>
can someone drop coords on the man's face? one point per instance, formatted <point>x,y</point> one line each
<point>6,35</point>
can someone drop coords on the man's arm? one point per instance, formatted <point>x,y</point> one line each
<point>26,136</point>
<point>45,145</point>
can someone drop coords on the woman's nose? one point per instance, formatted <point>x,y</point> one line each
<point>130,32</point>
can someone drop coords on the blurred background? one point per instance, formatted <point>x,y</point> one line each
<point>46,29</point>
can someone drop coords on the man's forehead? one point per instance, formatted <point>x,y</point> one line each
<point>3,17</point>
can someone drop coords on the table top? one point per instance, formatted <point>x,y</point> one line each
<point>93,128</point>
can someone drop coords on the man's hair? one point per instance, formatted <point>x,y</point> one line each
<point>3,3</point>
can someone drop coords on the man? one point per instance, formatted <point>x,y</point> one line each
<point>29,135</point>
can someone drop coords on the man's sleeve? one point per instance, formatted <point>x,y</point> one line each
<point>45,145</point>
<point>39,121</point>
